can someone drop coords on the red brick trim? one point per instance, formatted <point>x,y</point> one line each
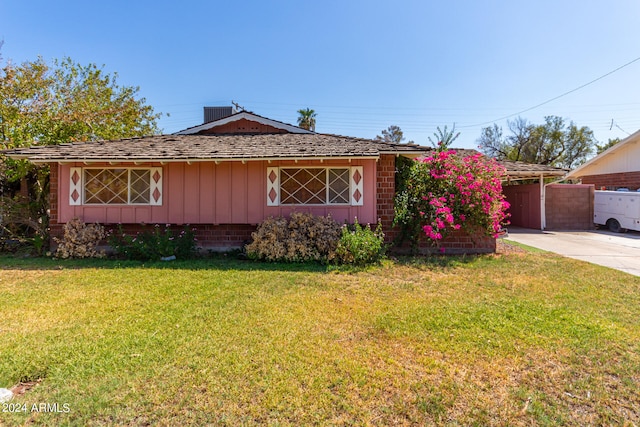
<point>456,243</point>
<point>385,194</point>
<point>222,237</point>
<point>613,181</point>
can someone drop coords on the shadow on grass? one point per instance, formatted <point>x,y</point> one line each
<point>224,262</point>
<point>214,262</point>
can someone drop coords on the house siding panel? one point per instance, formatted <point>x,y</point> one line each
<point>226,194</point>
<point>223,194</point>
<point>256,198</point>
<point>191,194</point>
<point>240,193</point>
<point>207,184</point>
<point>175,194</point>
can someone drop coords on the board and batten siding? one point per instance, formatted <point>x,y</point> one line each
<point>230,192</point>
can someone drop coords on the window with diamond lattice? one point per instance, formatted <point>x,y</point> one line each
<point>117,186</point>
<point>140,179</point>
<point>339,186</point>
<point>314,186</point>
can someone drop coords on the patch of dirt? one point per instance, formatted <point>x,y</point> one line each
<point>503,247</point>
<point>23,387</point>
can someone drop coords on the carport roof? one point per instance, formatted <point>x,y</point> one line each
<point>522,170</point>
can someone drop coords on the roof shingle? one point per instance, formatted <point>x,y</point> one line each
<point>216,147</point>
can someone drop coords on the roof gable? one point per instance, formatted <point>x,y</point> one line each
<point>622,157</point>
<point>246,122</point>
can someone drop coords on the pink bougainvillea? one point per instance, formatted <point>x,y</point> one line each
<point>446,192</point>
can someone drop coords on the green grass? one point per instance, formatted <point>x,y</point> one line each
<point>518,339</point>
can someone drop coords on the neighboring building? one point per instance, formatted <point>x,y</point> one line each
<point>617,167</point>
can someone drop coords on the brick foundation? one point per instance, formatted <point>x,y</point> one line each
<point>456,243</point>
<point>222,237</point>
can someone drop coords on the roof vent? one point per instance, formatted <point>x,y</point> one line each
<point>212,114</point>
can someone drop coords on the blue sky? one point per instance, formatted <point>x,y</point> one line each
<point>361,65</point>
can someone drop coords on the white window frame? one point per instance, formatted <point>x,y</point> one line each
<point>155,186</point>
<point>355,185</point>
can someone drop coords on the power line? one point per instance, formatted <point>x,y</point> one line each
<point>556,97</point>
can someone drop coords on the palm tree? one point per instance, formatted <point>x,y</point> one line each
<point>444,138</point>
<point>307,119</point>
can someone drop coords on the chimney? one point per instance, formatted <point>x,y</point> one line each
<point>216,113</point>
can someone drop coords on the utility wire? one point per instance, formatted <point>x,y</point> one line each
<point>554,98</point>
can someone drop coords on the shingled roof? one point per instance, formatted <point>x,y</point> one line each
<point>171,148</point>
<point>519,170</point>
<point>522,170</point>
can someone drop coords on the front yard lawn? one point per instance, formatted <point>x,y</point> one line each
<point>515,339</point>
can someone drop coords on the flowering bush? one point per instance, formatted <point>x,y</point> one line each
<point>360,245</point>
<point>447,192</point>
<point>153,245</point>
<point>79,240</point>
<point>303,237</point>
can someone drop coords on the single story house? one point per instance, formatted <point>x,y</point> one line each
<point>222,177</point>
<point>614,168</point>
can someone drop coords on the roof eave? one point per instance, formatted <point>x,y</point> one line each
<point>531,175</point>
<point>577,172</point>
<point>195,160</point>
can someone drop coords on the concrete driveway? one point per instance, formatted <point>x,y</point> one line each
<point>615,250</point>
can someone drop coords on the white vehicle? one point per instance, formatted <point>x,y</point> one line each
<point>618,210</point>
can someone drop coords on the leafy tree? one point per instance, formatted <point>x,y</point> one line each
<point>553,143</point>
<point>444,138</point>
<point>67,102</point>
<point>391,134</point>
<point>43,104</point>
<point>307,119</point>
<point>605,147</point>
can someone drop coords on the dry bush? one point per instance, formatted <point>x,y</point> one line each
<point>303,237</point>
<point>80,240</point>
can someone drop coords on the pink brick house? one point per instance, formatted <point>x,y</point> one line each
<point>225,177</point>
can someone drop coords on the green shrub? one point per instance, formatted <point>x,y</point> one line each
<point>304,237</point>
<point>80,240</point>
<point>154,245</point>
<point>360,245</point>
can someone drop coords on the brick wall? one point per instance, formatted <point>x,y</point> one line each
<point>456,243</point>
<point>221,237</point>
<point>386,188</point>
<point>569,207</point>
<point>613,181</point>
<point>55,229</point>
